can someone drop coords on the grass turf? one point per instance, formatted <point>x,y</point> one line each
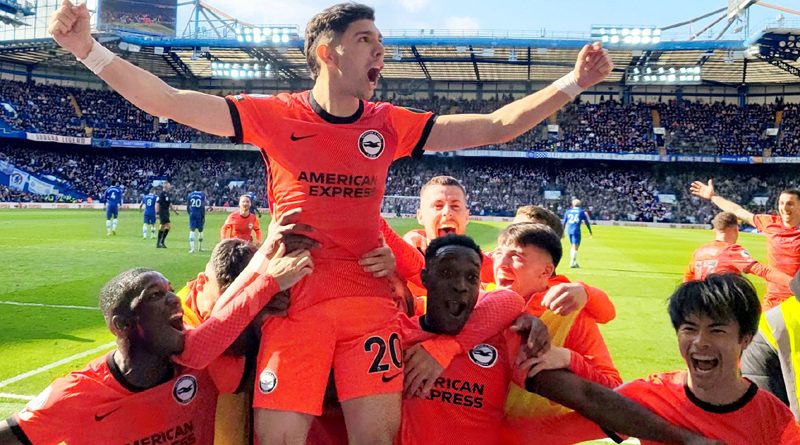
<point>63,257</point>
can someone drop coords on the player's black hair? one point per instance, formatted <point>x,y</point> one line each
<point>330,24</point>
<point>794,192</point>
<point>536,235</point>
<point>721,297</point>
<point>229,258</point>
<point>118,294</point>
<point>539,214</point>
<point>450,240</point>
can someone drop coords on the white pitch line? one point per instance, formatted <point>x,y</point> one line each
<point>5,395</point>
<point>63,361</point>
<point>56,306</point>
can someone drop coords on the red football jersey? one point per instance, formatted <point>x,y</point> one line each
<point>94,406</point>
<point>241,227</point>
<point>718,257</point>
<point>335,169</point>
<point>783,250</point>
<point>758,418</point>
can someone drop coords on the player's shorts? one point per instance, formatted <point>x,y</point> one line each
<point>357,337</point>
<point>163,218</point>
<point>575,238</point>
<point>111,212</point>
<point>196,222</point>
<point>150,219</point>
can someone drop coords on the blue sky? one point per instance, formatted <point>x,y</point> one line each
<point>569,15</point>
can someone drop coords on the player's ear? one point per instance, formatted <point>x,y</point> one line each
<point>550,269</point>
<point>745,342</point>
<point>419,217</point>
<point>120,324</point>
<point>325,52</point>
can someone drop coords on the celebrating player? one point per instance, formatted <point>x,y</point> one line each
<point>114,398</point>
<point>573,218</point>
<point>783,234</point>
<point>525,261</point>
<point>329,150</point>
<point>442,210</point>
<point>163,207</point>
<point>715,319</point>
<point>242,224</point>
<point>196,206</point>
<point>113,199</point>
<point>149,205</point>
<point>724,255</point>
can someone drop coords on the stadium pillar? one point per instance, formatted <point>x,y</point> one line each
<point>479,91</point>
<point>742,91</point>
<point>29,74</point>
<point>678,96</point>
<point>626,95</point>
<point>431,90</point>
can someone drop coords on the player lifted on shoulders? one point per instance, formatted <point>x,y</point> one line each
<point>572,222</point>
<point>113,199</point>
<point>724,255</point>
<point>149,205</point>
<point>329,151</point>
<point>196,206</point>
<point>782,230</point>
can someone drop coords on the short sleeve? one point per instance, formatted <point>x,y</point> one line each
<point>412,128</point>
<point>51,416</point>
<point>761,221</point>
<point>251,115</point>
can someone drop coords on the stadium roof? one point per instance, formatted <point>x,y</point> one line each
<point>480,57</point>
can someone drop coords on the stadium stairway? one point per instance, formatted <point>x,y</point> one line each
<point>778,118</point>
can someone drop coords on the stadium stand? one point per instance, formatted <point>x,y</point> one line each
<point>611,190</point>
<point>605,127</point>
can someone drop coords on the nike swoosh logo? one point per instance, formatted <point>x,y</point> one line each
<point>99,417</point>
<point>388,379</point>
<point>299,138</point>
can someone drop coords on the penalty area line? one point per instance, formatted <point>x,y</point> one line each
<point>63,361</point>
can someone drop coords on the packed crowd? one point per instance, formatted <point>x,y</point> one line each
<point>90,173</point>
<point>611,191</point>
<point>607,127</point>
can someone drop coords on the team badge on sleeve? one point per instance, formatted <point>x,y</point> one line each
<point>483,355</point>
<point>371,144</point>
<point>267,381</point>
<point>185,389</point>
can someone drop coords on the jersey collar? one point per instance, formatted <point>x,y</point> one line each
<point>722,409</point>
<point>327,117</point>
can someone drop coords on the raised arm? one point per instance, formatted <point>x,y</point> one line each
<point>706,191</point>
<point>71,30</point>
<point>459,131</point>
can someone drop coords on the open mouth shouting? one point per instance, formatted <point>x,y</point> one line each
<point>176,321</point>
<point>703,364</point>
<point>373,75</point>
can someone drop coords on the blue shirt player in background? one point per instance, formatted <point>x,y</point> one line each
<point>113,199</point>
<point>572,222</point>
<point>149,204</point>
<point>253,207</point>
<point>196,206</point>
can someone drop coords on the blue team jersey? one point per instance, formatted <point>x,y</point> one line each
<point>252,199</point>
<point>196,203</point>
<point>573,219</point>
<point>113,196</point>
<point>149,202</point>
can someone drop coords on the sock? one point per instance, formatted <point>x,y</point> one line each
<point>144,231</point>
<point>152,231</point>
<point>108,226</point>
<point>160,237</point>
<point>573,256</point>
<point>200,239</point>
<point>114,225</point>
<point>164,238</point>
<point>191,240</point>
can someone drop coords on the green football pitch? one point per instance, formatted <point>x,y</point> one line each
<point>56,261</point>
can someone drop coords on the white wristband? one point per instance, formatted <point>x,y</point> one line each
<point>569,85</point>
<point>99,57</point>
